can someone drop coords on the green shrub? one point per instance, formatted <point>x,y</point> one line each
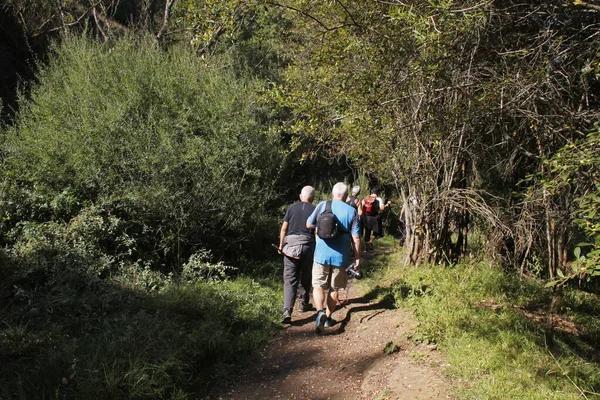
<point>172,145</point>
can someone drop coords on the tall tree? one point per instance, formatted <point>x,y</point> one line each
<point>454,101</point>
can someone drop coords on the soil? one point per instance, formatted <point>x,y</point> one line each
<point>348,361</point>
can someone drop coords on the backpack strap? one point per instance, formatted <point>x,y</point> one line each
<point>322,211</point>
<point>328,205</point>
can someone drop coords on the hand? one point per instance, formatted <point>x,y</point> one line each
<point>279,249</point>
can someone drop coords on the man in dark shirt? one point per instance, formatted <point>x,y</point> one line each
<point>297,244</point>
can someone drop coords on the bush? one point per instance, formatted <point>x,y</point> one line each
<point>169,144</point>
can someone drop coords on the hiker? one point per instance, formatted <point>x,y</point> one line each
<point>372,208</point>
<point>354,201</point>
<point>332,255</point>
<point>297,244</point>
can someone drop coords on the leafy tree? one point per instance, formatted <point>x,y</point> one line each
<point>573,173</point>
<point>454,101</point>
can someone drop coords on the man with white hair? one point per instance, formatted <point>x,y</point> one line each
<point>333,255</point>
<point>297,244</point>
<point>354,201</point>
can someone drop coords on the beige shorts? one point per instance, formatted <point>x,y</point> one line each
<point>326,276</point>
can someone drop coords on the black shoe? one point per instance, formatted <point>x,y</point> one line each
<point>304,307</point>
<point>287,316</point>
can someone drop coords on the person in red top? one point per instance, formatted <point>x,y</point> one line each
<point>372,206</point>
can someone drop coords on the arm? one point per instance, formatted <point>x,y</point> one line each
<point>359,207</point>
<point>356,245</point>
<point>282,234</point>
<point>383,206</point>
<point>311,222</point>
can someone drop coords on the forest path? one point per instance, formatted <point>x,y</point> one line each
<point>348,361</point>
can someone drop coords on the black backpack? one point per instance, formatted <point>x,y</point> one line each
<point>328,226</point>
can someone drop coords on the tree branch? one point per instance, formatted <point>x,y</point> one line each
<point>587,5</point>
<point>96,20</point>
<point>168,5</point>
<point>306,15</point>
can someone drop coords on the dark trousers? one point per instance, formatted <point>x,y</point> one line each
<point>298,273</point>
<point>372,227</point>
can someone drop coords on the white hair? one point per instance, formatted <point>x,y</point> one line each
<point>308,192</point>
<point>340,190</point>
<point>355,190</point>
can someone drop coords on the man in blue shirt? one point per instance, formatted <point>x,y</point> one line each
<point>332,256</point>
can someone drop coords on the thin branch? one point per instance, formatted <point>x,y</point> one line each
<point>485,3</point>
<point>348,13</point>
<point>97,22</point>
<point>303,13</point>
<point>84,13</point>
<point>567,375</point>
<point>220,30</point>
<point>589,6</point>
<point>168,5</point>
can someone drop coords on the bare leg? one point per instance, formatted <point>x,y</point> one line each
<point>332,299</point>
<point>319,297</point>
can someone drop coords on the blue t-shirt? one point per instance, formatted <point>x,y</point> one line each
<point>336,251</point>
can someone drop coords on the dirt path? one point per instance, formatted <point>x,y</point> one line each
<point>347,362</point>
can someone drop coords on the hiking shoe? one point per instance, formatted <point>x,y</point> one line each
<point>369,246</point>
<point>287,316</point>
<point>303,307</point>
<point>330,322</point>
<point>320,322</point>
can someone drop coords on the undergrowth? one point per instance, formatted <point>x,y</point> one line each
<point>496,329</point>
<point>119,338</point>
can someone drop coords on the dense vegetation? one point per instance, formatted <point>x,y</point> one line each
<point>148,148</point>
<point>495,329</point>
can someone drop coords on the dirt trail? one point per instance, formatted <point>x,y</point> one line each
<point>346,362</point>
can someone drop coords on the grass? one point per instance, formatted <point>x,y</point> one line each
<point>116,338</point>
<point>108,341</point>
<point>494,328</point>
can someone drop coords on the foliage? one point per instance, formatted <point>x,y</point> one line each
<point>200,268</point>
<point>454,102</point>
<point>495,330</point>
<point>574,169</point>
<point>103,340</point>
<point>173,155</point>
<point>171,133</point>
